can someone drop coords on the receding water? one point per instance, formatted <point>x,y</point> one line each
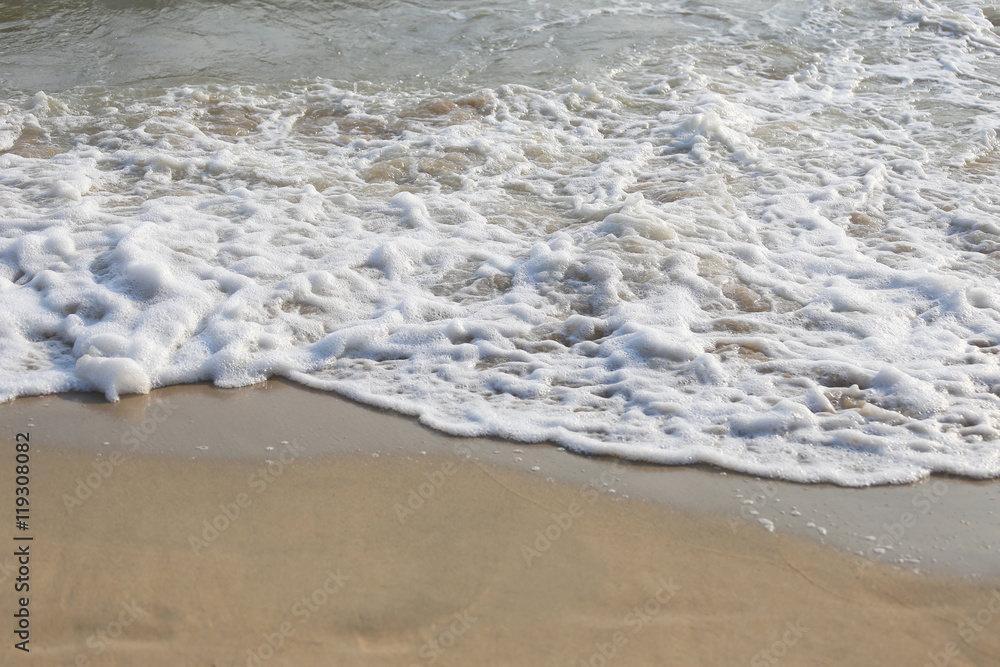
<point>761,235</point>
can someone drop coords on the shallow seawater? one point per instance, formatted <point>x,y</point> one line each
<point>754,234</point>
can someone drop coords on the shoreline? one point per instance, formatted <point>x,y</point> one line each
<point>377,541</point>
<point>943,524</point>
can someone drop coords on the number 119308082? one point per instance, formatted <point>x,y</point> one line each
<point>22,515</point>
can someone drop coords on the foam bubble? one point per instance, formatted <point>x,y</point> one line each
<point>114,376</point>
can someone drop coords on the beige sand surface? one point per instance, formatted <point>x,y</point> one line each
<point>336,556</point>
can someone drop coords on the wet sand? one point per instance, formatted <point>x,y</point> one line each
<point>370,540</point>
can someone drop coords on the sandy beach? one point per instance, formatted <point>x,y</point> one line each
<point>282,526</point>
<point>603,333</point>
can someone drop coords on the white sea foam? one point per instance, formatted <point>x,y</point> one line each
<point>783,260</point>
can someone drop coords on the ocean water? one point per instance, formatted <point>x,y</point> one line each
<point>761,235</point>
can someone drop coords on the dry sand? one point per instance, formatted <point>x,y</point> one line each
<point>356,549</point>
